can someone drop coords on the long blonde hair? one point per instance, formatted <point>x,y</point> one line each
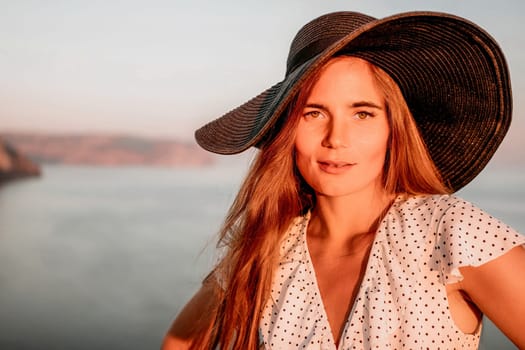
<point>274,193</point>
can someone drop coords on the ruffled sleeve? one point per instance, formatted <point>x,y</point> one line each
<point>467,236</point>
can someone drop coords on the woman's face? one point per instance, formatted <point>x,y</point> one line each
<point>342,136</point>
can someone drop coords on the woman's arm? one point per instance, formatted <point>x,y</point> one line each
<point>194,319</point>
<point>498,289</point>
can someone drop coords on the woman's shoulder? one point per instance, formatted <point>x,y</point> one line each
<point>439,206</point>
<point>415,201</point>
<point>292,243</point>
<point>455,233</point>
<point>450,215</point>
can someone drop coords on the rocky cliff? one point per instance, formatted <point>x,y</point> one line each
<point>15,165</point>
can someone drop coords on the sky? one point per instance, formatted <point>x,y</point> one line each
<point>162,68</point>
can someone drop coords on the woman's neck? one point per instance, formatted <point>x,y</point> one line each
<point>344,223</point>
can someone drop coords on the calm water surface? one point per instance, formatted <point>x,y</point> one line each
<point>97,258</point>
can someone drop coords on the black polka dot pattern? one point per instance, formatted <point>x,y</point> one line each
<point>402,301</point>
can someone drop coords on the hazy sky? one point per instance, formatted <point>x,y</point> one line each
<point>162,68</point>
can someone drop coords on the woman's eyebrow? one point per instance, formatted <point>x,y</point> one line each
<point>317,106</point>
<point>357,104</point>
<point>365,104</point>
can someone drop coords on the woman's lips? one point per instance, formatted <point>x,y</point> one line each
<point>335,167</point>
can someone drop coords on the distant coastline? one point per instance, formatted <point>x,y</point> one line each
<point>105,150</point>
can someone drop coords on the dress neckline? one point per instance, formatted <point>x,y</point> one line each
<point>365,277</point>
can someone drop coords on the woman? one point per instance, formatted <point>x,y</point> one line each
<point>345,233</point>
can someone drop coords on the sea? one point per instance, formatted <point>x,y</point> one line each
<point>104,258</point>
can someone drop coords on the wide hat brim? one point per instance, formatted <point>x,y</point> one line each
<point>452,74</point>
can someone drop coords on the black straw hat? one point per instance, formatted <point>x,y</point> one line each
<point>452,74</point>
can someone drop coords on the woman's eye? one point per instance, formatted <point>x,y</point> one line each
<point>313,115</point>
<point>363,115</point>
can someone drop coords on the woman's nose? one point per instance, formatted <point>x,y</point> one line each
<point>336,134</point>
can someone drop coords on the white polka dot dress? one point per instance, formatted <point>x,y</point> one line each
<point>402,301</point>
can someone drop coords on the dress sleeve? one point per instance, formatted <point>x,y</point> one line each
<point>467,236</point>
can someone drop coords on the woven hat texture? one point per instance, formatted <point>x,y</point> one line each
<point>453,76</point>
